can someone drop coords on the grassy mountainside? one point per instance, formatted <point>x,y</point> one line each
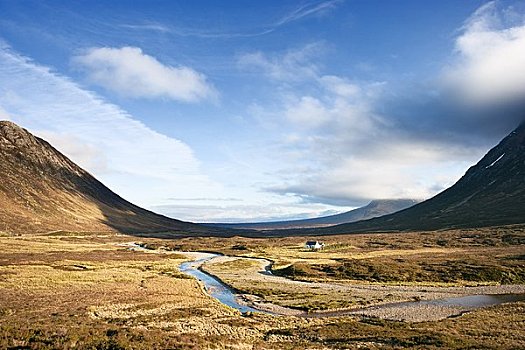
<point>41,190</point>
<point>491,193</point>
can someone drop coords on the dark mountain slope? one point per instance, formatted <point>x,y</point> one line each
<point>374,209</point>
<point>42,190</point>
<point>491,193</point>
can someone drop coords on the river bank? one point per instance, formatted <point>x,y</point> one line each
<point>414,304</point>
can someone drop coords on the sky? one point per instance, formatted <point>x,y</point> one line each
<point>237,111</point>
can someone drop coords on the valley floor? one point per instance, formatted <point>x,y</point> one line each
<point>86,291</point>
<point>387,301</point>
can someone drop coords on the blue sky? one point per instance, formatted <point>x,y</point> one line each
<point>251,111</point>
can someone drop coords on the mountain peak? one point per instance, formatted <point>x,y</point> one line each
<point>42,190</point>
<point>375,208</point>
<point>20,148</point>
<point>8,124</point>
<point>11,131</point>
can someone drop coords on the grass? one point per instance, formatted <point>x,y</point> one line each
<point>84,291</point>
<point>433,259</point>
<point>494,266</point>
<point>61,292</point>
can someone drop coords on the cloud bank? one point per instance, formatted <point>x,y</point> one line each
<point>348,141</point>
<point>130,72</point>
<point>491,54</point>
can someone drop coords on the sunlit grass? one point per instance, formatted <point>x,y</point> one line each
<point>68,289</point>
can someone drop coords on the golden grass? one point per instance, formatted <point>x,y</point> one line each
<point>360,263</point>
<point>71,282</point>
<point>74,290</point>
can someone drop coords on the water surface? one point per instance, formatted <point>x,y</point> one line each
<point>475,301</point>
<point>227,295</point>
<point>213,286</point>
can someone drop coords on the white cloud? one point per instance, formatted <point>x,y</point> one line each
<point>491,62</point>
<point>130,72</point>
<point>247,212</point>
<point>393,170</point>
<point>144,166</point>
<point>340,106</point>
<point>339,86</point>
<point>137,162</point>
<point>306,10</point>
<point>336,148</point>
<point>156,27</point>
<point>335,102</point>
<point>294,65</point>
<point>308,112</point>
<point>333,113</point>
<point>90,156</point>
<point>344,144</point>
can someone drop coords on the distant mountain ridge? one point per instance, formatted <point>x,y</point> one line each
<point>42,190</point>
<point>374,209</point>
<point>491,193</point>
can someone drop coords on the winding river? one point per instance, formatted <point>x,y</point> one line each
<point>214,286</point>
<point>226,295</point>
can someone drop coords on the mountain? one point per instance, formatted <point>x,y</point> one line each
<point>374,209</point>
<point>491,193</point>
<point>41,190</point>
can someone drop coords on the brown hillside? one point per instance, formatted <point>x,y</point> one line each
<point>42,190</point>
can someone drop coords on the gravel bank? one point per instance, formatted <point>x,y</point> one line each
<point>404,303</point>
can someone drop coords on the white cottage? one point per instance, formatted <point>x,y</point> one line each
<point>314,245</point>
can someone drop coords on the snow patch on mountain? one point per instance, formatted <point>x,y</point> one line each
<point>494,162</point>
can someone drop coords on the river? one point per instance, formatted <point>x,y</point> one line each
<point>450,306</point>
<point>213,286</point>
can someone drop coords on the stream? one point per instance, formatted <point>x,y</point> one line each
<point>226,295</point>
<point>214,286</point>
